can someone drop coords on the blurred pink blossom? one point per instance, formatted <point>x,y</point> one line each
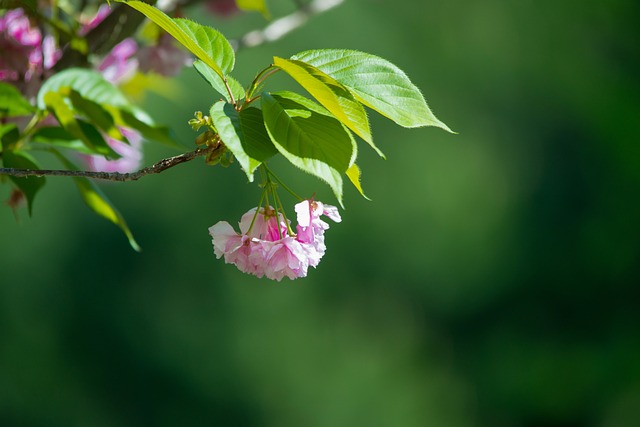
<point>264,246</point>
<point>103,11</point>
<point>24,52</point>
<point>120,64</point>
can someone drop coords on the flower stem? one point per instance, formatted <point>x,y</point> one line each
<point>253,220</point>
<point>286,187</point>
<point>284,215</point>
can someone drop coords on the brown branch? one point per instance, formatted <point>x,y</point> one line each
<point>158,167</point>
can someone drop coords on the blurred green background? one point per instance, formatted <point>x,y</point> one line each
<point>492,281</point>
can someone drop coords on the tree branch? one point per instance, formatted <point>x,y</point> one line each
<point>158,167</point>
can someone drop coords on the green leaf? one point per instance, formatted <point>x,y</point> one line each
<point>309,137</point>
<point>12,158</point>
<point>204,42</point>
<point>89,84</point>
<point>12,103</point>
<point>30,5</point>
<point>98,95</point>
<point>331,94</point>
<point>84,131</point>
<point>254,5</point>
<point>354,174</point>
<point>377,83</point>
<point>96,114</point>
<point>212,42</point>
<point>140,121</point>
<point>244,134</point>
<point>59,137</point>
<point>9,136</point>
<point>29,185</point>
<point>98,202</point>
<point>212,78</point>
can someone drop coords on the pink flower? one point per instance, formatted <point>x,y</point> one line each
<point>103,11</point>
<point>284,257</point>
<point>264,246</point>
<point>311,228</point>
<point>120,64</point>
<point>131,154</point>
<point>24,53</point>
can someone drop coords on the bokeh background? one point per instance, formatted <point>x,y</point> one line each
<point>492,281</point>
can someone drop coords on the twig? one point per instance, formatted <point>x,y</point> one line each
<point>158,167</point>
<point>283,26</point>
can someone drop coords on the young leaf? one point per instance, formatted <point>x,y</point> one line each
<point>28,185</point>
<point>12,103</point>
<point>377,83</point>
<point>331,94</point>
<point>98,202</point>
<point>218,85</point>
<point>244,134</point>
<point>309,137</point>
<point>204,42</point>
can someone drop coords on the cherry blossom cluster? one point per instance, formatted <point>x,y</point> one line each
<point>266,246</point>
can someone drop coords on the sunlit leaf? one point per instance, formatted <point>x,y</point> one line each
<point>244,134</point>
<point>212,78</point>
<point>331,94</point>
<point>377,83</point>
<point>12,103</point>
<point>212,42</point>
<point>354,174</point>
<point>98,202</point>
<point>204,42</point>
<point>309,137</point>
